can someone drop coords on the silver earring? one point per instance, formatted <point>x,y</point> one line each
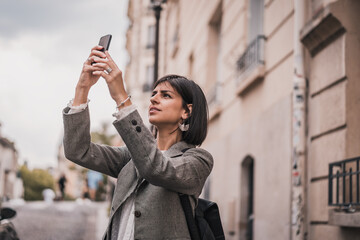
<point>183,127</point>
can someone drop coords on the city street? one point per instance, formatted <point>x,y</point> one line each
<point>60,220</point>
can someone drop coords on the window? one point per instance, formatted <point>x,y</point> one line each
<point>251,64</point>
<point>247,199</point>
<point>174,31</point>
<point>255,19</point>
<point>150,37</point>
<point>214,56</point>
<point>149,78</point>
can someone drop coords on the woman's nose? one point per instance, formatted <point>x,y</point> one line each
<point>154,99</point>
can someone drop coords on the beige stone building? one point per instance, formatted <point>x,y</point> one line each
<point>140,45</point>
<point>281,80</point>
<point>75,185</point>
<point>11,185</point>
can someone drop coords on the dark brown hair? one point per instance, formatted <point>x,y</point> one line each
<point>191,93</point>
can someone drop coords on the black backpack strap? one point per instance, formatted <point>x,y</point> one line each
<point>190,220</point>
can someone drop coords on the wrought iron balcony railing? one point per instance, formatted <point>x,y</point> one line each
<point>344,179</point>
<point>252,57</point>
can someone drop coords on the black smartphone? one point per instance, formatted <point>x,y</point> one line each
<point>105,42</point>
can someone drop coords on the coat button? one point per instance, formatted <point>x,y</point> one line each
<point>137,214</point>
<point>134,122</point>
<point>138,129</point>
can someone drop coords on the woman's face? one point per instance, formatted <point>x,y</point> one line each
<point>165,108</point>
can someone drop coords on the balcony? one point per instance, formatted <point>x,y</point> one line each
<point>346,183</point>
<point>251,65</point>
<point>344,193</point>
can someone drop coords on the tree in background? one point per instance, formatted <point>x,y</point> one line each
<point>102,137</point>
<point>35,181</point>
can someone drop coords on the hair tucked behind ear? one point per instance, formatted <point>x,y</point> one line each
<point>191,93</point>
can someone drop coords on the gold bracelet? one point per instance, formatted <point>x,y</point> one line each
<point>123,102</point>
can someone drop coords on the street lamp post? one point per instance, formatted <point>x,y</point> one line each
<point>156,6</point>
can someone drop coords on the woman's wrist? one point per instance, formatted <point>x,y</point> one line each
<point>81,96</point>
<point>123,101</point>
<point>120,96</point>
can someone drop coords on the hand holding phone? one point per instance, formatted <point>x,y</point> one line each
<point>105,42</point>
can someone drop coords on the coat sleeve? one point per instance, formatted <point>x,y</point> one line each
<point>185,173</point>
<point>79,148</point>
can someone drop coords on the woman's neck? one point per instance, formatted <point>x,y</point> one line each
<point>165,139</point>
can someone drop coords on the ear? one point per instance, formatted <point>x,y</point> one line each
<point>187,114</point>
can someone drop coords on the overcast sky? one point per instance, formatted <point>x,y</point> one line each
<point>43,45</point>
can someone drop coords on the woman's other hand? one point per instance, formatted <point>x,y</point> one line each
<point>87,77</point>
<point>113,77</point>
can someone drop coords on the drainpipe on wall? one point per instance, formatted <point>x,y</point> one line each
<point>298,223</point>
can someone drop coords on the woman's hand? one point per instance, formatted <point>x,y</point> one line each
<point>87,77</point>
<point>113,77</point>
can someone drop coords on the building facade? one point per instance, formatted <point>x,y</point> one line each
<point>11,185</point>
<point>75,185</point>
<point>281,80</point>
<point>140,45</point>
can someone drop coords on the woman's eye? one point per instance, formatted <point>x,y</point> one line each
<point>167,95</point>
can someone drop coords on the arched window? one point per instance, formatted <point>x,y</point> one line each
<point>247,199</point>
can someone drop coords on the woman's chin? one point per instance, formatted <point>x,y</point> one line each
<point>152,121</point>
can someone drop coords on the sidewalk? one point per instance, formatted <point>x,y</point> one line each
<point>102,219</point>
<point>66,220</point>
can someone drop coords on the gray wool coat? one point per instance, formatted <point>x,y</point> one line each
<point>156,177</point>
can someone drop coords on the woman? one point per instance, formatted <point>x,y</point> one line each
<point>150,171</point>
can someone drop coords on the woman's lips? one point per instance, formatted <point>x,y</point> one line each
<point>153,110</point>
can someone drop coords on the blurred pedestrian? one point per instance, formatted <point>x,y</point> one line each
<point>62,182</point>
<point>86,194</point>
<point>93,180</point>
<point>150,171</point>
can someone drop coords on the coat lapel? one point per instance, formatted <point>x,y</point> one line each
<point>135,181</point>
<point>125,188</point>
